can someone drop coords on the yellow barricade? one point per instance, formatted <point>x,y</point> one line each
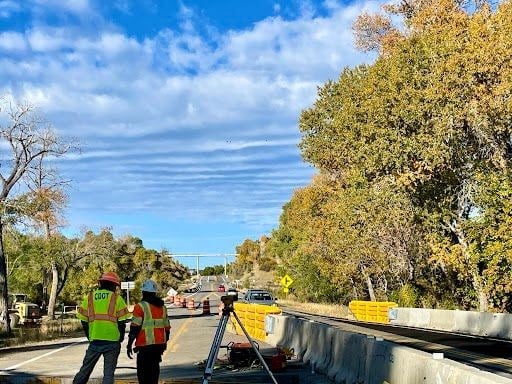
<point>374,311</point>
<point>252,316</point>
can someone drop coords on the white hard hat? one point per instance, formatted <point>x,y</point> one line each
<point>149,286</point>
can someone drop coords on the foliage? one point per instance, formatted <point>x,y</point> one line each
<point>248,256</point>
<point>216,270</point>
<point>85,259</point>
<point>413,155</point>
<point>405,296</point>
<point>27,144</point>
<point>267,264</point>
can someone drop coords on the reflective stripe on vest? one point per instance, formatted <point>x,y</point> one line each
<point>149,324</point>
<point>109,316</point>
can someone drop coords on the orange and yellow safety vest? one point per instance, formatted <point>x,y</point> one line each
<point>153,321</point>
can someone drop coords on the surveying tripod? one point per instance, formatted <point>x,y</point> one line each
<point>219,334</point>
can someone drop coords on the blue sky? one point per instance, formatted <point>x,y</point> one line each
<point>186,111</point>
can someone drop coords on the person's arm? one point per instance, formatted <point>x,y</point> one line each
<point>85,327</point>
<point>132,335</point>
<point>83,315</point>
<point>135,328</point>
<point>121,325</point>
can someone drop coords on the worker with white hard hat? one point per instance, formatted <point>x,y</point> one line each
<point>150,329</point>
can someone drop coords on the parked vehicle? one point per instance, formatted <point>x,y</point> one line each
<point>23,312</point>
<point>193,289</point>
<point>259,296</point>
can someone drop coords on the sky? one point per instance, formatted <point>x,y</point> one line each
<point>186,111</point>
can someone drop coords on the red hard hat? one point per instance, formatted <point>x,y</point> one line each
<point>112,277</point>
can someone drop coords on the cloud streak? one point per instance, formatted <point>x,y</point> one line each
<point>191,120</point>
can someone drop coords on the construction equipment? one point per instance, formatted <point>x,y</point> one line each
<point>227,310</point>
<point>23,312</point>
<point>241,354</point>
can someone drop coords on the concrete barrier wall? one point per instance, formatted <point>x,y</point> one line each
<point>487,324</point>
<point>348,358</point>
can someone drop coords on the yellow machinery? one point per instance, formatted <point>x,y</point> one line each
<point>22,312</point>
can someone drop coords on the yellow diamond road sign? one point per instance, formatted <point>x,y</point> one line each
<point>286,281</point>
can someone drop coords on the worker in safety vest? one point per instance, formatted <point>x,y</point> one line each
<point>104,316</point>
<point>150,330</point>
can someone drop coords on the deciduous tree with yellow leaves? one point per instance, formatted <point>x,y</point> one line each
<point>416,147</point>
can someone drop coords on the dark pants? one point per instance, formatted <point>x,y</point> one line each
<point>110,352</point>
<point>148,363</point>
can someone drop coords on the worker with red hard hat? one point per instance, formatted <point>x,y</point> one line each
<point>104,315</point>
<point>150,329</point>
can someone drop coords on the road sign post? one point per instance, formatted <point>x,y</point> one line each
<point>128,285</point>
<point>286,281</point>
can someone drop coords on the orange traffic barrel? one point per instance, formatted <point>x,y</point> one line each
<point>206,306</point>
<point>171,299</point>
<point>183,302</point>
<point>190,304</point>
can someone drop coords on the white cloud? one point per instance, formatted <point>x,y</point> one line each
<point>75,6</point>
<point>48,40</point>
<point>12,41</point>
<point>8,8</point>
<point>189,122</point>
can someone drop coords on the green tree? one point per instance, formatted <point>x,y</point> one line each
<point>28,140</point>
<point>425,120</point>
<point>248,254</point>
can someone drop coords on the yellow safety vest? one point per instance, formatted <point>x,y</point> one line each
<point>102,309</point>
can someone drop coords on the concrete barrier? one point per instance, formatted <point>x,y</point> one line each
<point>486,324</point>
<point>60,380</point>
<point>347,357</point>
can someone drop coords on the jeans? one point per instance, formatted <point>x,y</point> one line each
<point>110,352</point>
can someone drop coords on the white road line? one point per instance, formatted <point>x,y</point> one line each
<point>37,358</point>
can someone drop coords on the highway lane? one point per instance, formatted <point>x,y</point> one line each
<point>190,341</point>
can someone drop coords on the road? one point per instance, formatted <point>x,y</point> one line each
<point>191,339</point>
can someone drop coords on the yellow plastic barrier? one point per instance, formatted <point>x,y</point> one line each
<point>252,316</point>
<point>374,311</point>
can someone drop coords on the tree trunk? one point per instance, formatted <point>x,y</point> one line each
<point>5,323</point>
<point>371,292</point>
<point>483,304</point>
<point>476,279</point>
<point>369,283</point>
<point>53,291</point>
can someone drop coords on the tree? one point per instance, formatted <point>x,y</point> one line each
<point>427,118</point>
<point>248,254</point>
<point>28,139</point>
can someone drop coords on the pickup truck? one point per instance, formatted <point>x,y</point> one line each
<point>258,296</point>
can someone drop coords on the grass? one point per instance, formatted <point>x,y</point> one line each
<point>334,310</point>
<point>49,330</point>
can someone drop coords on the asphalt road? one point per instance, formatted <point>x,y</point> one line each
<point>191,340</point>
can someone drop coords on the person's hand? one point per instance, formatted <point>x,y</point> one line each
<point>129,351</point>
